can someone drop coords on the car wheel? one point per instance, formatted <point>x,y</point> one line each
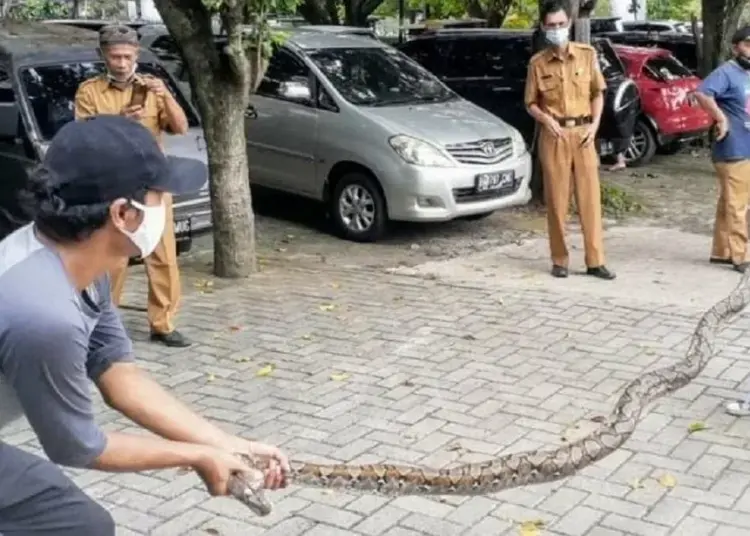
<point>642,146</point>
<point>480,216</point>
<point>358,208</point>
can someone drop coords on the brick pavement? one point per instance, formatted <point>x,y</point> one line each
<point>437,374</point>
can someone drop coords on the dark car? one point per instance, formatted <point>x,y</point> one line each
<point>681,45</point>
<point>41,67</point>
<point>488,67</point>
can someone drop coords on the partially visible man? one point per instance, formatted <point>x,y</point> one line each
<point>564,93</point>
<point>725,95</point>
<point>112,93</point>
<point>97,199</point>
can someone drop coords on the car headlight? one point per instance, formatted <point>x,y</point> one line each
<point>419,152</point>
<point>519,144</point>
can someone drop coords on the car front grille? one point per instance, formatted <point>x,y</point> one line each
<point>482,152</point>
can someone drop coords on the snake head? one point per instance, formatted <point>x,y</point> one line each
<point>248,489</point>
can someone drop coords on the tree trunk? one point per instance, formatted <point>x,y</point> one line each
<point>319,11</point>
<point>721,19</point>
<point>220,85</point>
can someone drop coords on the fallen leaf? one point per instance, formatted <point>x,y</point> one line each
<point>234,328</point>
<point>636,483</point>
<point>335,285</point>
<point>307,336</point>
<point>266,371</point>
<point>531,528</point>
<point>598,419</point>
<point>468,337</point>
<point>211,377</point>
<point>408,383</point>
<point>213,532</point>
<point>242,359</point>
<point>281,250</point>
<point>696,427</point>
<point>327,307</point>
<point>667,480</point>
<point>339,376</point>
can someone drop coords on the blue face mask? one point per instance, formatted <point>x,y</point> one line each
<point>557,36</point>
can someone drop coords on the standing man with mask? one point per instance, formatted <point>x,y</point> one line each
<point>111,93</point>
<point>725,95</point>
<point>102,183</point>
<point>564,93</point>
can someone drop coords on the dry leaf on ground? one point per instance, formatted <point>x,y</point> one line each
<point>667,480</point>
<point>335,285</point>
<point>241,359</point>
<point>307,336</point>
<point>211,377</point>
<point>636,483</point>
<point>696,427</point>
<point>234,328</point>
<point>531,527</point>
<point>266,371</point>
<point>327,307</point>
<point>339,376</point>
<point>211,531</point>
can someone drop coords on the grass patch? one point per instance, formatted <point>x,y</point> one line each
<point>617,202</point>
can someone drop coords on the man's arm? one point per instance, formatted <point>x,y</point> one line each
<point>531,95</point>
<point>45,362</point>
<point>714,85</point>
<point>171,115</point>
<point>129,390</point>
<point>598,87</point>
<point>84,103</point>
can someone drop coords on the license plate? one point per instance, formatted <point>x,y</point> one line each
<point>182,226</point>
<point>487,182</point>
<point>605,148</point>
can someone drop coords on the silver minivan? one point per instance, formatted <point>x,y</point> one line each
<point>352,122</point>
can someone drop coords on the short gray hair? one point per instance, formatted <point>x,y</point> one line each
<point>117,34</point>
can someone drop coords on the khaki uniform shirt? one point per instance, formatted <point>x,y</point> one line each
<point>98,96</point>
<point>564,85</point>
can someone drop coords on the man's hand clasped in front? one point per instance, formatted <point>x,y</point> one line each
<point>134,112</point>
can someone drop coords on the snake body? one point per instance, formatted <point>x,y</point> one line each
<point>521,468</point>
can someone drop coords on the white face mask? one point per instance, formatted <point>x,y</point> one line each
<point>557,36</point>
<point>149,232</point>
<point>129,78</point>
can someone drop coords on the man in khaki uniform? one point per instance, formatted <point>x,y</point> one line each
<point>564,93</point>
<point>111,94</point>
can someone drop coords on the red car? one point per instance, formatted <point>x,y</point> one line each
<point>670,115</point>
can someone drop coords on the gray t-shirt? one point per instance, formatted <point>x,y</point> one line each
<point>52,340</point>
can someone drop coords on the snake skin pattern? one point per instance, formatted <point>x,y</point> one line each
<point>521,468</point>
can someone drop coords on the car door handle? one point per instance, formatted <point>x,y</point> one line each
<point>251,112</point>
<point>500,89</point>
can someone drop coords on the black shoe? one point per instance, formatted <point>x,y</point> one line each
<point>741,267</point>
<point>559,271</point>
<point>717,260</point>
<point>601,272</point>
<point>173,339</point>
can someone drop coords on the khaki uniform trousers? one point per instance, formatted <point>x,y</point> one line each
<point>730,225</point>
<point>163,278</point>
<point>567,166</point>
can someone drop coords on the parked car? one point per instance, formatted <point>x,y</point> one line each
<point>41,67</point>
<point>97,24</point>
<point>670,114</point>
<point>681,45</point>
<point>599,25</point>
<point>352,122</point>
<point>488,67</point>
<point>657,26</point>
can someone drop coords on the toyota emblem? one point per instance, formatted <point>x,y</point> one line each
<point>488,148</point>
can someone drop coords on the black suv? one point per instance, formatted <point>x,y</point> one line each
<point>488,67</point>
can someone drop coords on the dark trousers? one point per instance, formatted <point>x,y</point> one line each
<point>37,499</point>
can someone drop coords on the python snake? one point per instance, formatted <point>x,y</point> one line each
<point>520,468</point>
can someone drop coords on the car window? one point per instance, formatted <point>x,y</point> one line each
<point>283,68</point>
<point>16,171</point>
<point>609,62</point>
<point>665,68</point>
<point>374,76</point>
<point>51,91</point>
<point>425,52</point>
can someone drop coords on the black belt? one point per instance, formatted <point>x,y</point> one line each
<point>574,121</point>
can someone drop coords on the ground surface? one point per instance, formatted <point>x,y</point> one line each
<point>452,344</point>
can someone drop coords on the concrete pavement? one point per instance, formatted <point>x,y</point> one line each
<point>452,362</point>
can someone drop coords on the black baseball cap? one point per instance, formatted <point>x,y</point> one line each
<point>106,157</point>
<point>742,34</point>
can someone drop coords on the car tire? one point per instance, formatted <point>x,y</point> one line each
<point>371,211</point>
<point>642,145</point>
<point>480,216</point>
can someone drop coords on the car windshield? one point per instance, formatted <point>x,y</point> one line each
<point>666,68</point>
<point>377,76</point>
<point>51,91</point>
